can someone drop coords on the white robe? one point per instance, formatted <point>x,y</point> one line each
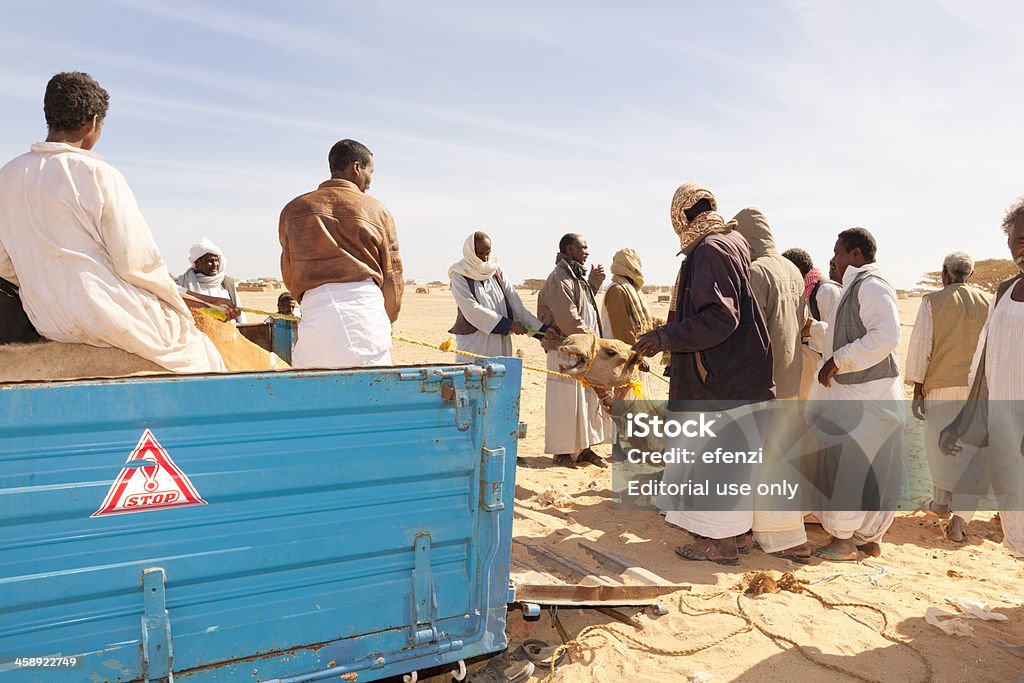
<point>870,414</point>
<point>343,325</point>
<point>573,416</point>
<point>1004,373</point>
<point>484,312</point>
<point>73,238</point>
<point>698,514</point>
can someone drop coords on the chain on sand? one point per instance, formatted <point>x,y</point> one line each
<point>755,583</point>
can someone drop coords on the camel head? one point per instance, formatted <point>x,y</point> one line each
<point>614,364</point>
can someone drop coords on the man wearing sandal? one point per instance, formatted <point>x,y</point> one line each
<point>856,408</point>
<point>994,412</point>
<point>942,345</point>
<point>721,364</point>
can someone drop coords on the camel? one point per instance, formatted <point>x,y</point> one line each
<point>610,373</point>
<point>422,290</point>
<point>607,365</point>
<point>49,360</point>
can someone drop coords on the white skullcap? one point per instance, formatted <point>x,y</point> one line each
<point>201,248</point>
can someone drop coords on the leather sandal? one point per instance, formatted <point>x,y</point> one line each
<point>592,458</point>
<point>706,550</point>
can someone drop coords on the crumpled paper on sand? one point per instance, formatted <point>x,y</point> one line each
<point>969,609</point>
<point>555,498</point>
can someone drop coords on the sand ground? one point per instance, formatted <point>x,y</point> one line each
<point>918,569</point>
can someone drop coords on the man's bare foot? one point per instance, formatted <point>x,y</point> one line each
<point>954,529</point>
<point>838,550</point>
<point>871,549</point>
<point>801,554</point>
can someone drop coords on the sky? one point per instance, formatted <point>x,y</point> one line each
<point>535,118</point>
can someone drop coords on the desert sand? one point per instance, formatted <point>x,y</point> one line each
<point>785,636</point>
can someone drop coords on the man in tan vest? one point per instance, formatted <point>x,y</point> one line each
<point>939,360</point>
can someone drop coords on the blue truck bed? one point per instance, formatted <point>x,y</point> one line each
<point>289,526</point>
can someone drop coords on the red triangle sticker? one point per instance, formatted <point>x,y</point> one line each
<point>157,485</point>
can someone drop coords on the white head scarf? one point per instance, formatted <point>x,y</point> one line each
<point>196,252</point>
<point>471,266</point>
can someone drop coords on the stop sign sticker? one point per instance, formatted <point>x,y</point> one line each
<point>149,481</point>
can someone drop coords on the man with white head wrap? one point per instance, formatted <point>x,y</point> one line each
<point>207,276</point>
<point>942,345</point>
<point>721,364</point>
<point>489,309</point>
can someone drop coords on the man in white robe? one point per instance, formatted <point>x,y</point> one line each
<point>856,409</point>
<point>207,275</point>
<point>489,309</point>
<point>72,237</point>
<point>998,371</point>
<point>573,418</point>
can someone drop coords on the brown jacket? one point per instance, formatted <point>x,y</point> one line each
<point>561,297</point>
<point>337,233</point>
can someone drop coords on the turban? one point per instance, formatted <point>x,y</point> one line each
<point>626,263</point>
<point>626,272</point>
<point>471,266</point>
<point>202,248</point>
<point>692,227</point>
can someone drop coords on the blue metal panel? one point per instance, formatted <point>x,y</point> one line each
<point>283,338</point>
<point>322,490</point>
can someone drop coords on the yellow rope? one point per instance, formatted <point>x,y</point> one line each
<point>448,346</point>
<point>220,315</point>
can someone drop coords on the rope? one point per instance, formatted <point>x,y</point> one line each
<point>220,315</point>
<point>789,583</point>
<point>448,346</point>
<point>793,585</point>
<point>577,643</point>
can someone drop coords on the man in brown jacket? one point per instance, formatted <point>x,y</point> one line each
<point>339,258</point>
<point>573,421</point>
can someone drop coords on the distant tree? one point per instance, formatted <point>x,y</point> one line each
<point>987,274</point>
<point>533,284</point>
<point>410,282</point>
<point>435,283</point>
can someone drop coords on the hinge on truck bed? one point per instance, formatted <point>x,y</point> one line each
<point>157,657</point>
<point>423,598</point>
<point>492,478</point>
<point>453,389</point>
